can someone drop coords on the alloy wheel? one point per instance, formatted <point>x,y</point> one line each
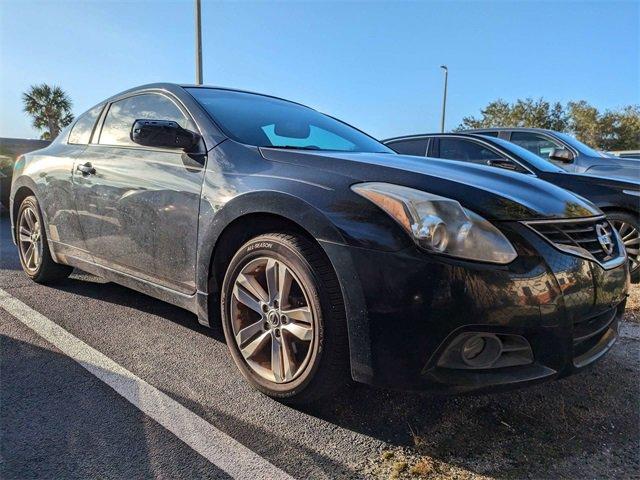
<point>631,240</point>
<point>30,239</point>
<point>272,320</point>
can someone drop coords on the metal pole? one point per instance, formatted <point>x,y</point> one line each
<point>198,45</point>
<point>444,98</point>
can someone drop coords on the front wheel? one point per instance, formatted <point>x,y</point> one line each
<point>283,318</point>
<point>33,247</point>
<point>628,226</point>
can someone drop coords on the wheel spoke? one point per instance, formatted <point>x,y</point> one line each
<point>303,332</point>
<point>282,365</point>
<point>633,241</point>
<point>25,234</point>
<point>28,255</point>
<point>284,285</point>
<point>272,271</point>
<point>252,347</point>
<point>36,254</point>
<point>244,297</point>
<point>247,333</point>
<point>302,314</point>
<point>288,364</point>
<point>633,251</point>
<point>250,283</point>
<point>276,358</point>
<point>28,216</point>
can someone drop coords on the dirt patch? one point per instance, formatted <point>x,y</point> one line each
<point>632,313</point>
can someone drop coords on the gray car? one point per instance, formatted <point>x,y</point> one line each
<point>565,151</point>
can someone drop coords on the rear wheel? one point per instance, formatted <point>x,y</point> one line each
<point>283,318</point>
<point>628,226</point>
<point>33,247</point>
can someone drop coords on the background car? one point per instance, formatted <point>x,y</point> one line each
<point>619,199</point>
<point>10,150</point>
<point>319,251</point>
<point>565,151</point>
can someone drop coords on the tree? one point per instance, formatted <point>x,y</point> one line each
<point>50,108</point>
<point>523,113</point>
<point>608,130</point>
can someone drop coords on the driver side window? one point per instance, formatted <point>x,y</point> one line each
<point>466,150</point>
<point>123,113</point>
<point>535,143</point>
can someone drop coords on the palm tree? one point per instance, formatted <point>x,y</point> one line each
<point>50,108</point>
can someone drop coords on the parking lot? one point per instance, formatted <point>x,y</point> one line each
<point>60,420</point>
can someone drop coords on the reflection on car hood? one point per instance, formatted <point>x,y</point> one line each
<point>492,192</point>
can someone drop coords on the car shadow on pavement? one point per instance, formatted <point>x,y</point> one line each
<point>59,421</point>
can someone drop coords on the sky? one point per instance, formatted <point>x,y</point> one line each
<point>374,65</point>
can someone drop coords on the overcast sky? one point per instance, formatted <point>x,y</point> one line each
<point>372,64</point>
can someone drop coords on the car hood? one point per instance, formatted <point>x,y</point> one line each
<point>612,167</point>
<point>622,183</point>
<point>493,193</point>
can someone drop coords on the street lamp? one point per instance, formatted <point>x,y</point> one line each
<point>444,98</point>
<point>198,45</point>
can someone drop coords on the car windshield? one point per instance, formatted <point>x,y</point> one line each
<point>264,121</point>
<point>531,158</point>
<point>578,145</point>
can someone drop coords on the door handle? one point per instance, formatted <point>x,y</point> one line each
<point>86,169</point>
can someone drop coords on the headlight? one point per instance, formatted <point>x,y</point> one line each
<point>439,224</point>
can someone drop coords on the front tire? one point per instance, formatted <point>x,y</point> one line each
<point>283,318</point>
<point>628,226</point>
<point>33,246</point>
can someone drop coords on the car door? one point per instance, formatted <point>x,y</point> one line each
<point>138,206</point>
<point>542,145</point>
<point>57,197</point>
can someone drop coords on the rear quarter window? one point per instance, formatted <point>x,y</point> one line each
<point>83,128</point>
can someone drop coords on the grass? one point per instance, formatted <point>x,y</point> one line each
<point>632,313</point>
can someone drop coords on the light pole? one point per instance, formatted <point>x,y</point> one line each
<point>198,45</point>
<point>444,98</point>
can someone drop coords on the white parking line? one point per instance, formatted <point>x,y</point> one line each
<point>216,446</point>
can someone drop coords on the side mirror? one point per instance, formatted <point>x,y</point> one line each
<point>502,163</point>
<point>561,155</point>
<point>163,134</point>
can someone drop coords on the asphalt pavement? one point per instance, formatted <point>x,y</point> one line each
<point>59,419</point>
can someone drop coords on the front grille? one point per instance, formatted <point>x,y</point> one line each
<point>594,236</point>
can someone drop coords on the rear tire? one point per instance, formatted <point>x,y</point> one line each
<point>294,309</point>
<point>628,226</point>
<point>33,245</point>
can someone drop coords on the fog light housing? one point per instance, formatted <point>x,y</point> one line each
<point>485,350</point>
<point>473,347</point>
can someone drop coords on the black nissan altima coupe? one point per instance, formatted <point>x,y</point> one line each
<point>320,252</point>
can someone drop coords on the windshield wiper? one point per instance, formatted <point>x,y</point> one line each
<point>291,147</point>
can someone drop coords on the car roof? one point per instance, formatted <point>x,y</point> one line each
<point>466,133</point>
<point>173,87</point>
<point>512,129</point>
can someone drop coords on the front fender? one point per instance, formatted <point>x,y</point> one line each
<point>214,221</point>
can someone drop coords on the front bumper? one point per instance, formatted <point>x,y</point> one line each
<point>413,305</point>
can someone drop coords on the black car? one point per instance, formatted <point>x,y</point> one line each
<point>320,252</point>
<point>565,151</point>
<point>618,198</point>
